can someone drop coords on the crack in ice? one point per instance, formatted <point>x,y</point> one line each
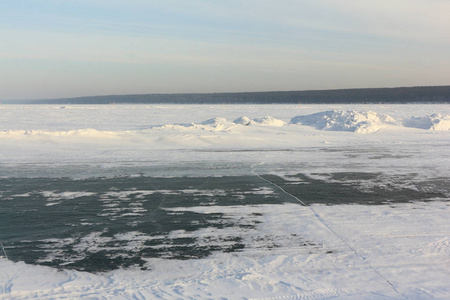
<point>322,222</point>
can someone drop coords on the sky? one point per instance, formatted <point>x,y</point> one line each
<point>69,48</point>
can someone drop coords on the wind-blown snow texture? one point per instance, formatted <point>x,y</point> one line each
<point>225,201</point>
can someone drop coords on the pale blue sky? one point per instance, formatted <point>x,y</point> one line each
<point>63,48</point>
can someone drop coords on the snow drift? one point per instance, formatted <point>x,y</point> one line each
<point>430,122</point>
<point>269,121</point>
<point>221,124</point>
<point>243,121</point>
<point>214,124</point>
<point>265,121</point>
<point>335,120</point>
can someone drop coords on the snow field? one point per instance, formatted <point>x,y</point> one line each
<point>397,251</point>
<point>318,137</point>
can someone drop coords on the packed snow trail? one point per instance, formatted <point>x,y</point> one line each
<point>322,222</point>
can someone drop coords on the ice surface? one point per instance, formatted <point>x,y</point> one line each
<point>348,251</point>
<point>393,246</point>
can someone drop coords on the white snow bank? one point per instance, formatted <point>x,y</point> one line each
<point>221,124</point>
<point>217,123</point>
<point>430,122</point>
<point>269,121</point>
<point>265,121</point>
<point>335,120</point>
<point>214,124</point>
<point>242,121</point>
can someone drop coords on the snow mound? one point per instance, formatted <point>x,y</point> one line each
<point>431,122</point>
<point>221,124</point>
<point>242,121</point>
<point>334,120</point>
<point>268,121</point>
<point>214,124</point>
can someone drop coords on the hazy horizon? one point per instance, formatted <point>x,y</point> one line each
<point>218,93</point>
<point>63,49</point>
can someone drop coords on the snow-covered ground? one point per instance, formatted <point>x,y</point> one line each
<point>348,251</point>
<point>317,138</point>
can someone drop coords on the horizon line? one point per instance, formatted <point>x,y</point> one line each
<point>217,93</point>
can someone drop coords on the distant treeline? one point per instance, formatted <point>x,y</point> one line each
<point>435,94</point>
